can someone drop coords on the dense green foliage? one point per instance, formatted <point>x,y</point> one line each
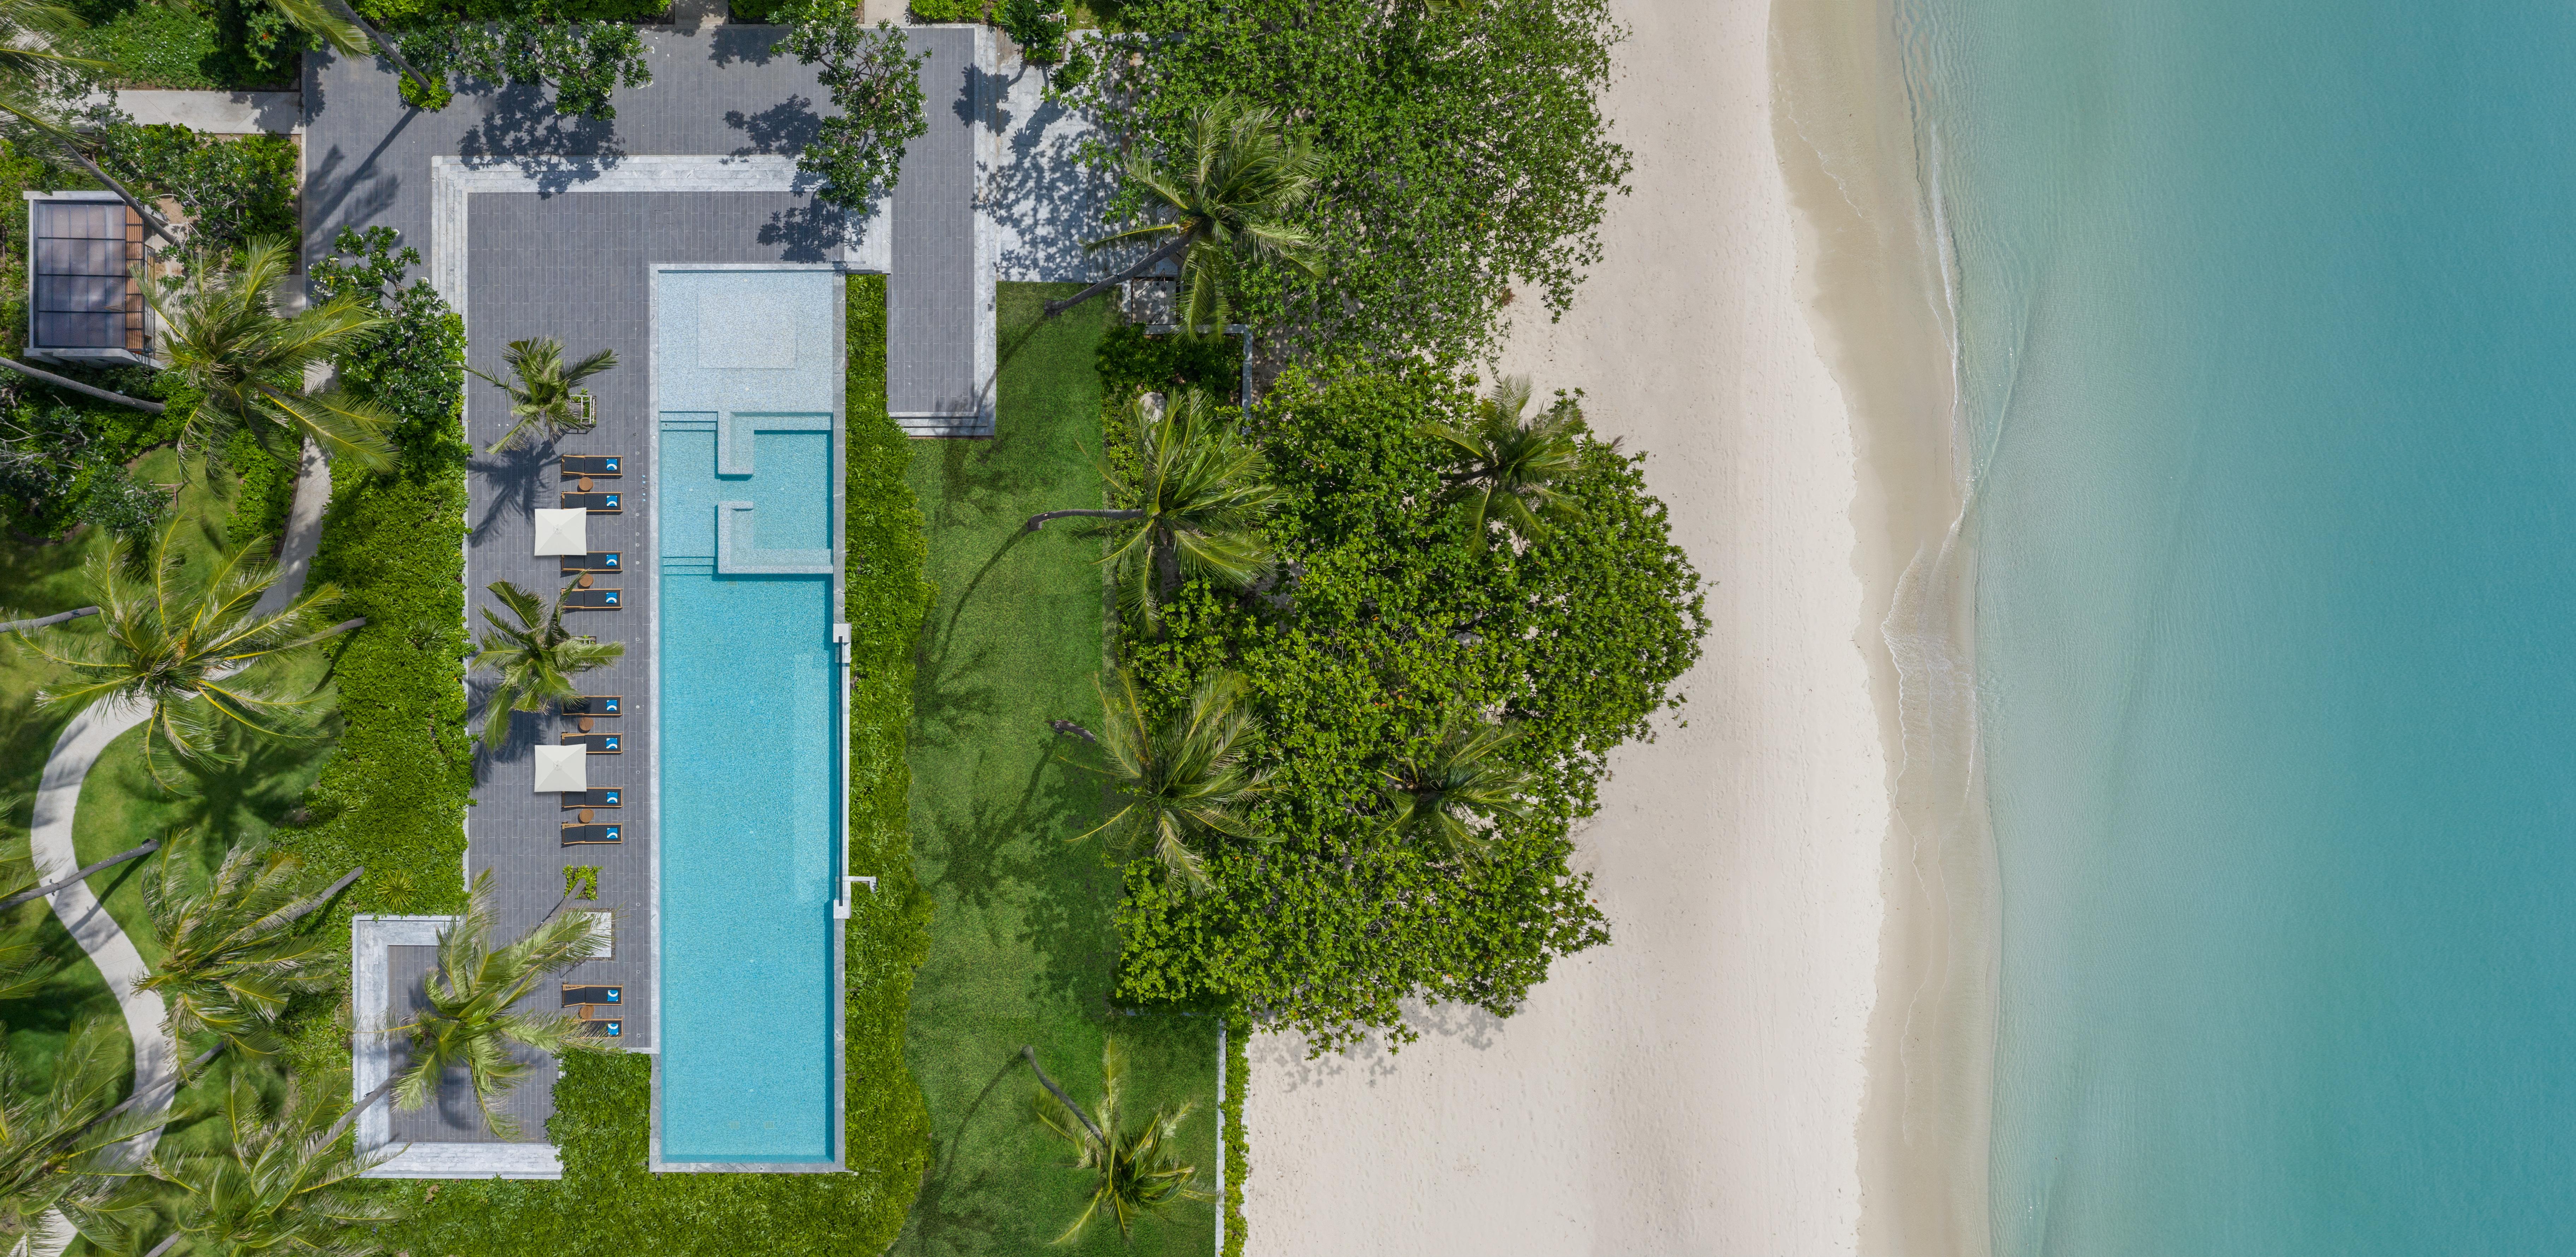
<point>608,1204</point>
<point>875,87</point>
<point>583,60</point>
<point>394,797</point>
<point>1397,617</point>
<point>406,15</point>
<point>1462,149</point>
<point>62,466</point>
<point>230,191</point>
<point>201,44</point>
<point>1037,26</point>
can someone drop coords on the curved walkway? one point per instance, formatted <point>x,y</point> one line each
<point>58,796</point>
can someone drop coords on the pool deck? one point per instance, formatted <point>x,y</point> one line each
<point>538,225</point>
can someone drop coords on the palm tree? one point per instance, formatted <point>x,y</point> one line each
<point>1185,777</point>
<point>544,398</point>
<point>229,959</point>
<point>226,340</point>
<point>1462,776</point>
<point>1234,180</point>
<point>1138,1170</point>
<point>1506,468</point>
<point>537,658</point>
<point>280,1182</point>
<point>1201,492</point>
<point>184,647</point>
<point>469,1022</point>
<point>58,1145</point>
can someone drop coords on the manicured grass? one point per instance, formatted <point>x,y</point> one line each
<point>1021,947</point>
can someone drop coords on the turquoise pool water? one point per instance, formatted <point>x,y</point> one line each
<point>2267,310</point>
<point>749,760</point>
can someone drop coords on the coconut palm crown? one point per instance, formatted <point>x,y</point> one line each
<point>535,658</point>
<point>225,339</point>
<point>1226,194</point>
<point>279,1182</point>
<point>58,1142</point>
<point>469,1022</point>
<point>1196,494</point>
<point>1440,791</point>
<point>188,648</point>
<point>1508,468</point>
<point>1187,778</point>
<point>1137,1171</point>
<point>230,959</point>
<point>547,397</point>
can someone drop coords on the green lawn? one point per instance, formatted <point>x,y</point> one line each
<point>1021,946</point>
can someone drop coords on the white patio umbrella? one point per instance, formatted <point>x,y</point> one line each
<point>562,532</point>
<point>562,768</point>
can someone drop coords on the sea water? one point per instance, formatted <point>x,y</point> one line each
<point>2266,314</point>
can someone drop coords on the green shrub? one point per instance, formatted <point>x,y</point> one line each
<point>1396,616</point>
<point>267,491</point>
<point>584,61</point>
<point>1238,1144</point>
<point>948,10</point>
<point>394,795</point>
<point>231,191</point>
<point>1036,25</point>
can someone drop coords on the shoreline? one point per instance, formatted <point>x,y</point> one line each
<point>1766,1058</point>
<point>1876,289</point>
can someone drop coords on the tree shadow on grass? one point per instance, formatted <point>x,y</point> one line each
<point>953,1213</point>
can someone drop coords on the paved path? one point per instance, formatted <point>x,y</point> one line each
<point>58,797</point>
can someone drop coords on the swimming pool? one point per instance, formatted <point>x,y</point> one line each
<point>749,749</point>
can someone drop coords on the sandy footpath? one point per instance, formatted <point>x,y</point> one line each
<point>1698,1085</point>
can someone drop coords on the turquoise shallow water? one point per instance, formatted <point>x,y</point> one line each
<point>2268,326</point>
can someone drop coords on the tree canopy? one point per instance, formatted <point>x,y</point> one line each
<point>1461,150</point>
<point>1398,625</point>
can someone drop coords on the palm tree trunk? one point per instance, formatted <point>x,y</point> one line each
<point>46,621</point>
<point>78,387</point>
<point>151,221</point>
<point>1058,1093</point>
<point>164,1246</point>
<point>1152,260</point>
<point>132,853</point>
<point>341,1126</point>
<point>386,46</point>
<point>305,908</point>
<point>1037,522</point>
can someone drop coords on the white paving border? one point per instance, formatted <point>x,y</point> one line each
<point>372,1059</point>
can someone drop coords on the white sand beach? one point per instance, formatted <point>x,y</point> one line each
<point>1700,1085</point>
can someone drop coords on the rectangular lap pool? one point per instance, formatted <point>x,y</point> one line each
<point>750,753</point>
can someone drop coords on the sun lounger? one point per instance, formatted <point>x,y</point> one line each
<point>578,835</point>
<point>595,705</point>
<point>600,1027</point>
<point>598,743</point>
<point>592,600</point>
<point>595,503</point>
<point>595,561</point>
<point>605,796</point>
<point>592,995</point>
<point>595,466</point>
